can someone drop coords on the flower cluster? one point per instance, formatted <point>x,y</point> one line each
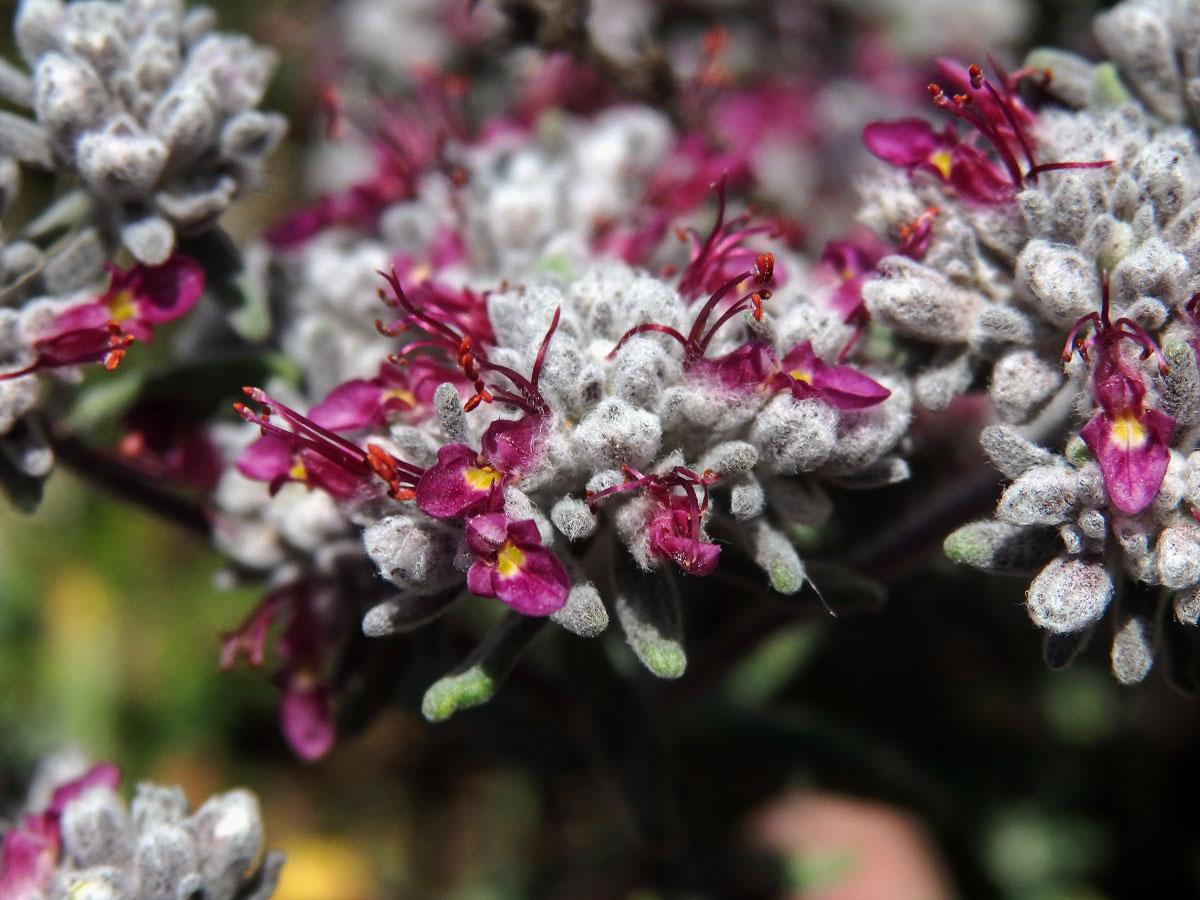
<point>1061,265</point>
<point>535,399</point>
<point>83,841</point>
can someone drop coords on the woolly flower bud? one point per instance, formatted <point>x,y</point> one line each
<point>1043,495</point>
<point>1069,594</point>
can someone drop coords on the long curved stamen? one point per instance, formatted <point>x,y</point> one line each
<point>1005,104</point>
<point>960,107</point>
<point>1132,330</point>
<point>702,317</point>
<point>531,399</point>
<point>643,329</point>
<point>633,479</point>
<point>753,300</point>
<point>690,283</point>
<point>1073,344</point>
<point>428,322</point>
<point>536,373</point>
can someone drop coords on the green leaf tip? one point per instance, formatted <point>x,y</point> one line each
<point>1108,90</point>
<point>662,656</point>
<point>787,579</point>
<point>448,695</point>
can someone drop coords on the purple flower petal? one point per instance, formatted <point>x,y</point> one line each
<point>30,852</point>
<point>363,403</point>
<point>746,368</point>
<point>977,179</point>
<point>1132,449</point>
<point>102,774</point>
<point>159,293</point>
<point>459,484</point>
<point>669,536</point>
<point>514,445</point>
<point>848,388</point>
<point>355,404</point>
<point>28,857</point>
<point>907,143</point>
<point>306,716</point>
<point>266,458</point>
<point>841,386</point>
<point>513,566</point>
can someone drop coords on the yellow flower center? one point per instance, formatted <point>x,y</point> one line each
<point>481,479</point>
<point>509,560</point>
<point>941,161</point>
<point>400,394</point>
<point>1128,432</point>
<point>121,306</point>
<point>799,375</point>
<point>297,471</point>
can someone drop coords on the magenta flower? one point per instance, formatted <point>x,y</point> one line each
<point>28,857</point>
<point>806,376</point>
<point>1130,441</point>
<point>674,524</point>
<point>164,440</point>
<point>447,331</point>
<point>512,565</point>
<point>716,258</point>
<point>681,184</point>
<point>912,144</point>
<point>461,483</point>
<point>407,140</point>
<point>278,460</point>
<point>100,330</point>
<point>463,310</point>
<point>30,851</point>
<point>366,403</point>
<point>306,714</point>
<point>997,118</point>
<point>315,456</point>
<point>854,261</point>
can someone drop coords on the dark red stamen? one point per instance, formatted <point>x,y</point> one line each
<point>306,434</point>
<point>1006,130</point>
<point>1110,332</point>
<point>697,340</point>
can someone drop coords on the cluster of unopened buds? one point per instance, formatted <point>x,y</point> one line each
<point>86,842</point>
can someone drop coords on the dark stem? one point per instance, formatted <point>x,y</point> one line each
<point>128,483</point>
